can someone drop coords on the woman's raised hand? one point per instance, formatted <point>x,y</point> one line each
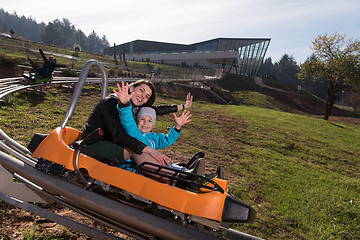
<point>123,93</point>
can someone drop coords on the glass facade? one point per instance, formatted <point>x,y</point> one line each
<point>251,57</point>
<point>251,52</point>
<point>210,46</point>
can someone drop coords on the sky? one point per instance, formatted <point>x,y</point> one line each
<point>292,25</point>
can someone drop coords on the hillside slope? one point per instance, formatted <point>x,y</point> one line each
<point>301,174</point>
<point>239,90</point>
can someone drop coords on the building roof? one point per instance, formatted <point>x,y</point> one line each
<point>240,55</point>
<point>213,45</point>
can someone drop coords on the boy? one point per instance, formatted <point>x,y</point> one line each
<point>142,130</point>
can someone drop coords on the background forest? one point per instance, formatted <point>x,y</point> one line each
<point>58,32</point>
<point>286,70</point>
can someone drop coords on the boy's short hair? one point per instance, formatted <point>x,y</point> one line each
<point>147,111</point>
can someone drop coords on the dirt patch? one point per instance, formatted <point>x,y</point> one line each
<point>10,72</point>
<point>302,104</point>
<point>200,91</point>
<point>15,222</point>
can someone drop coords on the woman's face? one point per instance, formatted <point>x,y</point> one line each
<point>142,94</point>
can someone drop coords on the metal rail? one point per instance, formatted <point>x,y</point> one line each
<point>100,204</point>
<point>92,232</point>
<point>80,84</point>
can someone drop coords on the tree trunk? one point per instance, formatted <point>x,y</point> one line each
<point>330,99</point>
<point>115,60</point>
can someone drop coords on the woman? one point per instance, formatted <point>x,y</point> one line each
<point>116,145</point>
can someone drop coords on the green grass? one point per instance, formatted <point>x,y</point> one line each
<point>306,172</point>
<point>35,234</point>
<point>301,174</point>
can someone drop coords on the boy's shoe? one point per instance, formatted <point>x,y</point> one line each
<point>220,172</point>
<point>191,163</point>
<point>199,168</point>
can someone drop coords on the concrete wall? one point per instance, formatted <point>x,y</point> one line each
<point>211,60</point>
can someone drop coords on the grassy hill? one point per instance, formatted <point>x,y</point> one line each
<point>299,172</point>
<point>14,52</point>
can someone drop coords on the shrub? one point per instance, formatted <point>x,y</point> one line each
<point>76,54</point>
<point>8,61</point>
<point>69,73</point>
<point>91,74</point>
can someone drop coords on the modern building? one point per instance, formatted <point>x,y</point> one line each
<point>236,55</point>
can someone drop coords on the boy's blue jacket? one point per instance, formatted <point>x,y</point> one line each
<point>153,140</point>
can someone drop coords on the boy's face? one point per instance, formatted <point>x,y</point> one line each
<point>145,124</point>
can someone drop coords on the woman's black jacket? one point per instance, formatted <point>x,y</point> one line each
<point>106,116</point>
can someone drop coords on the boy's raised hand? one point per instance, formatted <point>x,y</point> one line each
<point>123,93</point>
<point>184,118</point>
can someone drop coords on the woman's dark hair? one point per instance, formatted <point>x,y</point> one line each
<point>151,100</point>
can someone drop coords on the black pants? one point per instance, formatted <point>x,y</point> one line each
<point>44,72</point>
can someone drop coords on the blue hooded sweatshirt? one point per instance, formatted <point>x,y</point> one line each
<point>153,140</point>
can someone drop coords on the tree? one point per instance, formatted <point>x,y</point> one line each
<point>83,41</point>
<point>58,32</point>
<point>50,34</point>
<point>267,68</point>
<point>69,33</point>
<point>54,33</point>
<point>94,40</point>
<point>335,59</point>
<point>21,26</point>
<point>286,70</point>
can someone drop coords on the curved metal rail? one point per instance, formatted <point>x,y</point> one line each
<point>80,85</point>
<point>114,214</point>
